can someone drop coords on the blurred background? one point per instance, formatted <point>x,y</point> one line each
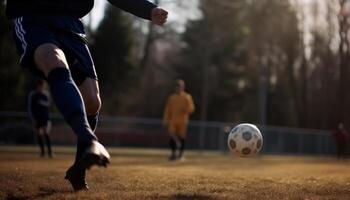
<point>283,65</point>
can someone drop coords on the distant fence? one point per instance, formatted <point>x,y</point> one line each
<point>15,127</point>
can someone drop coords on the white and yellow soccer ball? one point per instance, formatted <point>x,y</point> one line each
<point>245,140</point>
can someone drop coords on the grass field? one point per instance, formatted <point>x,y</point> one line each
<point>146,174</point>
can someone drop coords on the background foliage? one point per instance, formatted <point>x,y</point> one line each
<point>263,61</point>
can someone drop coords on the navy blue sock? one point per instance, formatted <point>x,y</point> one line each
<point>41,145</point>
<point>69,102</point>
<point>48,144</point>
<point>93,119</point>
<point>172,144</point>
<point>182,147</point>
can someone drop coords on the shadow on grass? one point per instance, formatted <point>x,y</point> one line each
<point>43,192</point>
<point>11,196</point>
<point>191,197</point>
<point>46,191</point>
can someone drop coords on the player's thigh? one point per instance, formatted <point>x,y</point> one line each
<point>48,56</point>
<point>171,129</point>
<point>181,130</point>
<point>90,91</point>
<point>41,126</point>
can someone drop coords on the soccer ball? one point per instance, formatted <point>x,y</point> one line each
<point>245,140</point>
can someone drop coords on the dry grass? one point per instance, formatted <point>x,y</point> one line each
<point>146,174</point>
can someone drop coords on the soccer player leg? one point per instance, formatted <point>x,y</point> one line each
<point>39,136</point>
<point>84,75</point>
<point>91,96</point>
<point>90,93</point>
<point>172,141</point>
<point>45,129</point>
<point>182,130</point>
<point>51,60</point>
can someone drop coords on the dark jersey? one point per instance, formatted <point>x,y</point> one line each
<point>72,8</point>
<point>38,106</point>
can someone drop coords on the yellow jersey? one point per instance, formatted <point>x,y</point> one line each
<point>178,108</point>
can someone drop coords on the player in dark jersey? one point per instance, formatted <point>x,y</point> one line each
<point>51,42</point>
<point>38,110</point>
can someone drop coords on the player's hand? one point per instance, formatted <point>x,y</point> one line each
<point>159,16</point>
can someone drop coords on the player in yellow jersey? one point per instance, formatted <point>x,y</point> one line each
<point>178,108</point>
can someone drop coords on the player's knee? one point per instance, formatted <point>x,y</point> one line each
<point>92,104</point>
<point>48,57</point>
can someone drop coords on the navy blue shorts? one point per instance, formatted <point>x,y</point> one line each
<point>41,123</point>
<point>65,32</point>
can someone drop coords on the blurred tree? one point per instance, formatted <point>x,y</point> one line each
<point>213,60</point>
<point>155,46</point>
<point>233,48</point>
<point>275,53</point>
<point>330,54</point>
<point>262,61</point>
<point>344,61</point>
<point>113,59</point>
<point>323,71</point>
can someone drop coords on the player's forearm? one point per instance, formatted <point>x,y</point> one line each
<point>140,8</point>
